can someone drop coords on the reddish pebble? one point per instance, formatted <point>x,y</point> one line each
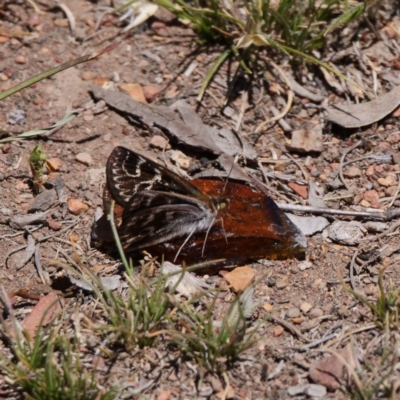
<point>20,59</point>
<point>158,25</point>
<point>33,21</point>
<point>151,92</point>
<point>38,101</point>
<point>370,170</point>
<point>301,190</point>
<point>76,206</point>
<point>6,148</point>
<point>384,145</point>
<point>352,172</point>
<point>54,225</point>
<point>395,138</point>
<point>372,196</point>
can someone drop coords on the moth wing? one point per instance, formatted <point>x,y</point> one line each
<point>129,173</point>
<point>152,218</point>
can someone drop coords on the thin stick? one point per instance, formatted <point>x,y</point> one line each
<point>347,151</point>
<point>374,215</point>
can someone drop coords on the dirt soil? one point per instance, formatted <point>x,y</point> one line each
<point>305,297</point>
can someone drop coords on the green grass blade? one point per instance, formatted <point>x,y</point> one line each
<point>214,68</point>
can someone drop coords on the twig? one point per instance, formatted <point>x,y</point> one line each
<point>395,195</point>
<point>289,99</point>
<point>345,152</point>
<point>290,328</point>
<point>353,261</point>
<point>318,342</point>
<point>374,215</point>
<point>39,265</point>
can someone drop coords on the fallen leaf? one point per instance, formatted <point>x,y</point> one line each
<point>331,372</point>
<point>357,115</point>
<point>41,314</point>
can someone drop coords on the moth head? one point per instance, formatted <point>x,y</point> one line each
<point>223,203</point>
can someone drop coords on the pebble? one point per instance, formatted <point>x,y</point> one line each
<point>84,158</point>
<point>293,312</point>
<point>305,265</point>
<point>151,92</point>
<point>61,22</point>
<point>240,278</point>
<point>315,313</point>
<point>20,59</point>
<point>54,225</point>
<point>281,283</point>
<point>278,330</point>
<point>159,142</point>
<point>390,180</point>
<point>6,211</point>
<point>89,75</point>
<point>76,206</point>
<point>166,395</point>
<point>134,90</point>
<point>352,172</point>
<point>107,137</point>
<point>305,307</point>
<point>89,195</point>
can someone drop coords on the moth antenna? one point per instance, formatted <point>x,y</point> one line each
<point>186,240</point>
<point>235,160</point>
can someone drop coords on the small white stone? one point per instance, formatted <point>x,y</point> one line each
<point>84,158</point>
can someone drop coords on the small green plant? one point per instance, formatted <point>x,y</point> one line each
<point>36,162</point>
<point>386,308</point>
<point>292,27</point>
<point>138,317</point>
<point>50,367</point>
<point>214,344</point>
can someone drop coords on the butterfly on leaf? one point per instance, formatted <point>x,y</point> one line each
<point>198,220</point>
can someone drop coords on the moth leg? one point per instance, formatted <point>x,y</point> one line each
<point>205,239</point>
<point>223,229</point>
<point>186,240</point>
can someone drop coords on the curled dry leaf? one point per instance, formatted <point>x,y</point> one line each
<point>332,370</point>
<point>357,115</point>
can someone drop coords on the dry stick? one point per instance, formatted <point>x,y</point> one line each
<point>374,215</point>
<point>347,151</point>
<point>395,195</point>
<point>243,106</point>
<point>290,328</point>
<point>304,172</point>
<point>353,261</point>
<point>39,268</point>
<point>288,103</point>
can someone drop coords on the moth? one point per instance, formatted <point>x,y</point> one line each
<point>192,221</point>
